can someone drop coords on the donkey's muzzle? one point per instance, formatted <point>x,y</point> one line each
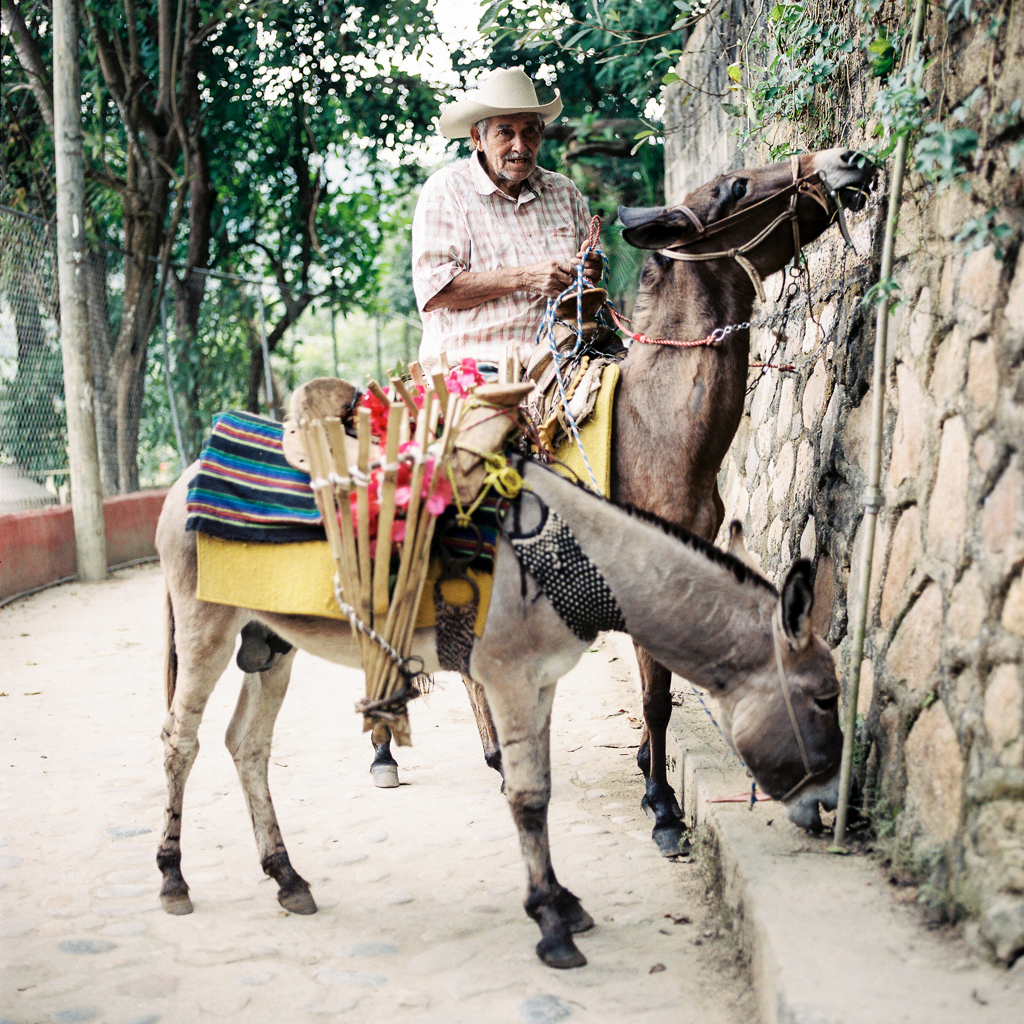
<point>804,809</point>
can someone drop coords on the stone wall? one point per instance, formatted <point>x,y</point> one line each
<point>942,687</point>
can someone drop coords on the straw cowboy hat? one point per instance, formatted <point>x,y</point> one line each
<point>506,91</point>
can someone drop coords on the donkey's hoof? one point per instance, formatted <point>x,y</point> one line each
<point>573,916</point>
<point>176,903</point>
<point>297,901</point>
<point>560,953</point>
<point>385,776</point>
<point>668,839</point>
<point>578,920</point>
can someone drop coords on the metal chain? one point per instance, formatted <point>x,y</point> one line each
<point>401,663</point>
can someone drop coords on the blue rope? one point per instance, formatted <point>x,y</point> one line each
<point>547,329</point>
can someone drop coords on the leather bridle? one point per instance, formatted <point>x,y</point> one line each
<point>814,185</point>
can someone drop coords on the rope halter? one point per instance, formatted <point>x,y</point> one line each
<point>810,185</point>
<point>783,685</point>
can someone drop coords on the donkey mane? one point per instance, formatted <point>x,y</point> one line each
<point>742,572</point>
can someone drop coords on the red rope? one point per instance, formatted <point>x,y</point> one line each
<point>711,341</point>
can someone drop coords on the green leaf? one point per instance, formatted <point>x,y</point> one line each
<point>734,71</point>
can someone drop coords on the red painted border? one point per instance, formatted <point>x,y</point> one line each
<point>38,547</point>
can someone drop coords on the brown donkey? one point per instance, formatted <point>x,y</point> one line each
<point>682,385</point>
<point>678,408</point>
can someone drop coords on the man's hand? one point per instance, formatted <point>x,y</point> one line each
<point>473,288</point>
<point>549,278</point>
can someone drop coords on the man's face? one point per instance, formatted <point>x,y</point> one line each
<point>509,147</point>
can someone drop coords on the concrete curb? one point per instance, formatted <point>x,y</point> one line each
<point>827,937</point>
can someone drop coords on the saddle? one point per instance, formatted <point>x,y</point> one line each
<point>593,344</point>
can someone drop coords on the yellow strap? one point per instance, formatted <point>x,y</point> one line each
<point>500,476</point>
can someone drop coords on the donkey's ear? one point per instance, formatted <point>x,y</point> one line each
<point>737,548</point>
<point>653,227</point>
<point>795,603</point>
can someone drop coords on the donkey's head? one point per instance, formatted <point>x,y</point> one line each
<point>763,214</point>
<point>784,722</point>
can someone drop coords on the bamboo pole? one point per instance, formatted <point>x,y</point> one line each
<point>379,661</point>
<point>342,488</point>
<point>406,395</point>
<point>321,463</point>
<point>428,521</point>
<point>363,515</point>
<point>400,600</point>
<point>382,560</point>
<point>442,389</point>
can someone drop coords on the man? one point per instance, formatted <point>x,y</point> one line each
<point>495,236</point>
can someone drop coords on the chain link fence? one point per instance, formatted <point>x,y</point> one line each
<point>198,349</point>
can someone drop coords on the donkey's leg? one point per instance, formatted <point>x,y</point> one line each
<point>201,640</point>
<point>659,799</point>
<point>384,769</point>
<point>523,726</point>
<point>248,740</point>
<point>484,725</point>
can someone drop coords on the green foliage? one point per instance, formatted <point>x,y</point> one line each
<point>886,289</point>
<point>609,58</point>
<point>943,154</point>
<point>987,229</point>
<point>900,108</point>
<point>883,54</point>
<point>799,56</point>
<point>965,9</point>
<point>786,68</point>
<point>298,121</point>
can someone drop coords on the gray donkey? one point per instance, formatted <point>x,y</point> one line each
<point>569,564</point>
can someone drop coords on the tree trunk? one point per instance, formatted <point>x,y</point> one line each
<point>102,351</point>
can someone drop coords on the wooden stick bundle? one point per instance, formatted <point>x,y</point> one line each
<point>365,583</point>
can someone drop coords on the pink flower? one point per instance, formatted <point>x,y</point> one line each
<point>463,378</point>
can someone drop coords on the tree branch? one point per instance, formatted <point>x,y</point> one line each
<point>13,25</point>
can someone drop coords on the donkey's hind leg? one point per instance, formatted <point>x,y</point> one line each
<point>199,649</point>
<point>248,740</point>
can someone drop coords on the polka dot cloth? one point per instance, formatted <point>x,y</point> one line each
<point>569,578</point>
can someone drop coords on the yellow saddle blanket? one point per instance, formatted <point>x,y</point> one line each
<point>596,438</point>
<point>298,579</point>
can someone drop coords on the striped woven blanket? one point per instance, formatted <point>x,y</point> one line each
<point>245,490</point>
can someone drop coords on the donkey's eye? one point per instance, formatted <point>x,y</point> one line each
<point>739,188</point>
<point>827,703</point>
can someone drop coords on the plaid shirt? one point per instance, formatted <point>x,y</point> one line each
<point>463,221</point>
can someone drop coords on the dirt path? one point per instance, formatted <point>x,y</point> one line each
<point>420,889</point>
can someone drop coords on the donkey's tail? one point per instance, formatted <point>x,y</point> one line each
<point>170,653</point>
